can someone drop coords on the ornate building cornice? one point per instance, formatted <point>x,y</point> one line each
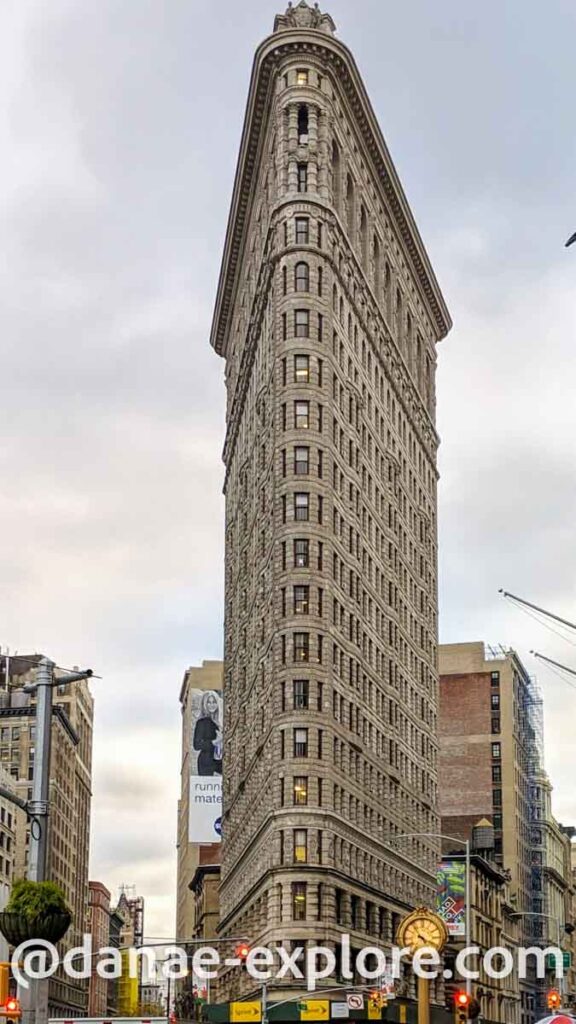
<point>285,41</point>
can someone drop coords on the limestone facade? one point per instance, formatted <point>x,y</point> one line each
<point>327,314</point>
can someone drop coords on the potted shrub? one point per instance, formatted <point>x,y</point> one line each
<point>35,910</point>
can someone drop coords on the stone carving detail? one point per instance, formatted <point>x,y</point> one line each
<point>303,16</point>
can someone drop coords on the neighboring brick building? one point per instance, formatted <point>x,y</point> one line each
<point>99,926</point>
<point>205,885</point>
<point>328,315</point>
<point>491,766</point>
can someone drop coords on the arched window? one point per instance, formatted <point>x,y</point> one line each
<point>336,173</point>
<point>302,124</point>
<point>302,277</point>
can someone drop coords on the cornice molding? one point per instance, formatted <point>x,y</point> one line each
<point>268,56</point>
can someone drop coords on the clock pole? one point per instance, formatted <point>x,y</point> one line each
<point>423,1000</point>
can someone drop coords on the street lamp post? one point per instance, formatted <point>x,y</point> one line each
<point>467,886</point>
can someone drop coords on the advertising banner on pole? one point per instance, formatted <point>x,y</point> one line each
<point>205,796</point>
<point>450,895</point>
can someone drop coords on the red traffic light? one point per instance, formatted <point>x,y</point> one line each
<point>554,999</point>
<point>242,950</point>
<point>462,999</point>
<point>12,1005</point>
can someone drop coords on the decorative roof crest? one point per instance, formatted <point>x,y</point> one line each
<point>303,16</point>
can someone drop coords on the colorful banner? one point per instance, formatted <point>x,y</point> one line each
<point>450,895</point>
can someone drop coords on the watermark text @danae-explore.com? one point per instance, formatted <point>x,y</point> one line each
<point>37,959</point>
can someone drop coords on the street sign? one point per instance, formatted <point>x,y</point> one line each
<point>355,1001</point>
<point>246,1013</point>
<point>314,1009</point>
<point>340,1010</point>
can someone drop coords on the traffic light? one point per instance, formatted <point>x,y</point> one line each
<point>241,953</point>
<point>376,999</point>
<point>461,1004</point>
<point>553,999</point>
<point>10,1010</point>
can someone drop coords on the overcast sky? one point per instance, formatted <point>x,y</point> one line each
<point>119,129</point>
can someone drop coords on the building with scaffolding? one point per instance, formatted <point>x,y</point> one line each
<point>491,765</point>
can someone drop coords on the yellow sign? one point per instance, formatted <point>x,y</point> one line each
<point>315,1009</point>
<point>374,1010</point>
<point>245,1012</point>
<point>403,1013</point>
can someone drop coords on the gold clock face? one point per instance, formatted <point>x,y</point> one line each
<point>422,928</point>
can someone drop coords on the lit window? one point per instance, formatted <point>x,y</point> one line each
<point>495,700</point>
<point>302,77</point>
<point>299,901</point>
<point>302,415</point>
<point>302,277</point>
<point>495,750</point>
<point>302,369</point>
<point>302,507</point>
<point>302,230</point>
<point>302,323</point>
<point>300,790</point>
<point>301,693</point>
<point>301,599</point>
<point>301,553</point>
<point>495,679</point>
<point>301,647</point>
<point>301,461</point>
<point>300,845</point>
<point>300,742</point>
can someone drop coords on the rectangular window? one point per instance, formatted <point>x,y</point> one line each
<point>301,553</point>
<point>301,507</point>
<point>301,647</point>
<point>302,77</point>
<point>302,177</point>
<point>301,600</point>
<point>302,415</point>
<point>302,230</point>
<point>319,234</point>
<point>301,461</point>
<point>496,751</point>
<point>497,822</point>
<point>495,701</point>
<point>302,323</point>
<point>300,742</point>
<point>496,773</point>
<point>299,901</point>
<point>301,693</point>
<point>496,725</point>
<point>300,790</point>
<point>302,369</point>
<point>497,797</point>
<point>300,845</point>
<point>284,327</point>
<point>494,679</point>
<point>320,327</point>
